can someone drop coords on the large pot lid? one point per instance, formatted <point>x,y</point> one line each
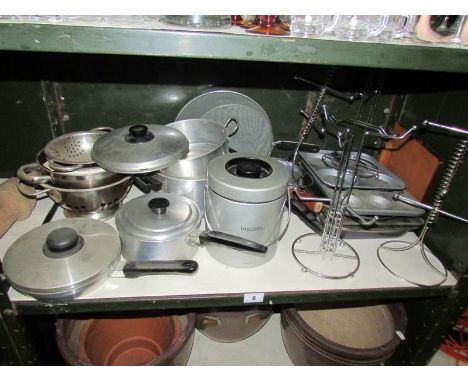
<point>248,179</point>
<point>139,149</point>
<point>60,259</point>
<point>158,217</point>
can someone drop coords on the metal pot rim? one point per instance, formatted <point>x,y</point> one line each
<point>83,171</point>
<point>194,179</point>
<point>54,188</point>
<point>175,125</point>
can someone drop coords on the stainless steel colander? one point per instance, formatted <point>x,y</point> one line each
<point>71,151</point>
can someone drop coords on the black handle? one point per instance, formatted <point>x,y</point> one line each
<point>135,269</point>
<point>291,145</point>
<point>231,240</point>
<point>147,183</point>
<point>350,98</point>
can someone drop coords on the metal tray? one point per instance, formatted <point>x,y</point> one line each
<point>369,202</point>
<point>385,180</point>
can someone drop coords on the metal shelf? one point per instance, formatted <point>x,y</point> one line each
<point>281,280</point>
<point>233,45</point>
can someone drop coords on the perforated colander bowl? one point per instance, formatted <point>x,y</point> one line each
<point>74,148</point>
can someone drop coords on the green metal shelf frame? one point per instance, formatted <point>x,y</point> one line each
<point>230,46</point>
<point>222,300</point>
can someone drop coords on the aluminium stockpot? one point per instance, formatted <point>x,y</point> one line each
<point>192,188</point>
<point>207,140</point>
<point>246,197</point>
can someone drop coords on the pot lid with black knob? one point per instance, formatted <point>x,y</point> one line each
<point>246,178</point>
<point>59,260</point>
<point>158,217</point>
<point>139,149</point>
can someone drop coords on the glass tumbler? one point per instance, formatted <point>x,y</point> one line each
<point>394,25</point>
<point>358,27</point>
<point>307,25</point>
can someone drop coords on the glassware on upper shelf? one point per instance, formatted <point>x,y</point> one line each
<point>237,20</point>
<point>269,25</point>
<point>124,19</point>
<point>457,37</point>
<point>358,27</point>
<point>198,21</point>
<point>311,25</point>
<point>393,27</point>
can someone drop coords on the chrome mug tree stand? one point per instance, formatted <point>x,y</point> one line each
<point>307,248</point>
<point>330,246</point>
<point>416,248</point>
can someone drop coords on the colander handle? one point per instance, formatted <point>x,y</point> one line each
<point>25,190</point>
<point>30,174</point>
<point>54,166</point>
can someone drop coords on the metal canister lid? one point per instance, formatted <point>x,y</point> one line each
<point>247,179</point>
<point>139,149</point>
<point>59,260</point>
<point>158,217</point>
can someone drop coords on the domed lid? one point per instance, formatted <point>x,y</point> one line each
<point>60,259</point>
<point>158,217</point>
<point>139,149</point>
<point>249,179</point>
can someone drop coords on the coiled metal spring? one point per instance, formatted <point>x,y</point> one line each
<point>455,162</point>
<point>315,114</point>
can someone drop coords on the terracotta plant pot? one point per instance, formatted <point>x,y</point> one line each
<point>348,336</point>
<point>158,340</point>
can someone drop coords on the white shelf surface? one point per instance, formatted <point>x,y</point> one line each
<point>282,274</point>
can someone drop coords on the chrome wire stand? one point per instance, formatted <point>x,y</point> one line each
<point>330,246</point>
<point>418,247</point>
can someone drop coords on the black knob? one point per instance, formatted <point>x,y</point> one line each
<point>138,134</point>
<point>62,239</point>
<point>249,169</point>
<point>138,131</point>
<point>159,205</point>
<point>62,242</point>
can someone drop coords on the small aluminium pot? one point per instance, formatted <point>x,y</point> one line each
<point>246,197</point>
<point>164,226</point>
<point>232,324</point>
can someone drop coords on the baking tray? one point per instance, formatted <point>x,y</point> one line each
<point>389,226</point>
<point>385,179</point>
<point>368,202</point>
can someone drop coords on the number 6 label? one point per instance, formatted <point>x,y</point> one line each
<point>250,298</point>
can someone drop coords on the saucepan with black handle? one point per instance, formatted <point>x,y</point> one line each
<point>165,226</point>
